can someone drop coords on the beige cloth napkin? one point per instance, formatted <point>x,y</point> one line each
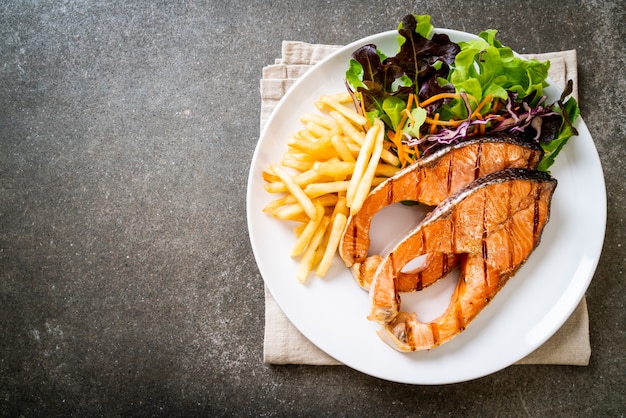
<point>283,343</point>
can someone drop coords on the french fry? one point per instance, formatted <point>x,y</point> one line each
<point>341,206</point>
<point>309,230</point>
<point>289,213</point>
<point>361,163</point>
<point>388,157</point>
<point>299,143</point>
<point>295,190</point>
<point>327,200</point>
<point>338,170</point>
<point>336,233</point>
<point>307,261</point>
<point>365,184</point>
<point>316,130</point>
<point>294,210</point>
<point>277,203</point>
<point>317,119</point>
<point>333,235</point>
<point>297,165</point>
<point>269,177</point>
<point>297,230</point>
<point>343,97</point>
<point>301,218</point>
<point>344,110</point>
<point>319,189</point>
<point>342,148</point>
<point>304,134</point>
<point>301,179</point>
<point>337,156</point>
<point>385,170</point>
<point>377,180</point>
<point>323,149</point>
<point>354,149</point>
<point>356,135</point>
<point>300,155</point>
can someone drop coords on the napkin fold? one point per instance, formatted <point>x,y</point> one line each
<point>283,343</point>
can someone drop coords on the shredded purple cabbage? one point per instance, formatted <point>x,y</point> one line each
<point>515,121</point>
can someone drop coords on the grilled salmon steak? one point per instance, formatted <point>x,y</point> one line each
<point>429,181</point>
<point>492,225</point>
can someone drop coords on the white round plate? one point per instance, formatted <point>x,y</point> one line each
<point>331,312</point>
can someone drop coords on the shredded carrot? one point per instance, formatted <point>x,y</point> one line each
<point>401,123</point>
<point>496,106</point>
<point>439,96</point>
<point>399,147</point>
<point>433,127</point>
<point>406,114</point>
<point>482,104</point>
<point>477,129</point>
<point>396,137</point>
<point>443,122</point>
<point>409,103</point>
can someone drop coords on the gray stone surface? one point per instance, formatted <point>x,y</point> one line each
<point>127,282</point>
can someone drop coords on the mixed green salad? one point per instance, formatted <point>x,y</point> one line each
<point>436,92</point>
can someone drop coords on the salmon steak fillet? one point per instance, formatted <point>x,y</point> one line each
<point>429,181</point>
<point>492,226</point>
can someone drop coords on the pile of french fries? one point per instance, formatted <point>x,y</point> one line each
<point>325,175</point>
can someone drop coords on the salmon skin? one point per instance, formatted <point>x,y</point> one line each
<point>429,181</point>
<point>492,225</point>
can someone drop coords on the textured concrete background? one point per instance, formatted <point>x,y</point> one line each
<point>127,282</point>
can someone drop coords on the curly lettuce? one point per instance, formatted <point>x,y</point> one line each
<point>384,83</point>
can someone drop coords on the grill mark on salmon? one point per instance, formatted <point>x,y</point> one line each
<point>509,242</point>
<point>449,176</point>
<point>429,181</point>
<point>390,191</point>
<point>436,266</point>
<point>498,219</point>
<point>485,249</point>
<point>479,155</point>
<point>536,220</point>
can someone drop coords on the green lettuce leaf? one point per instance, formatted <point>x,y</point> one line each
<point>393,107</point>
<point>571,112</point>
<point>485,66</point>
<point>412,126</point>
